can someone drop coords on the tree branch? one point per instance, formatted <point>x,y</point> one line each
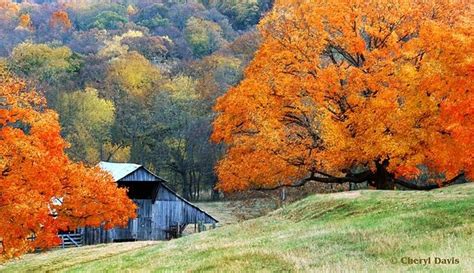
<point>327,179</point>
<point>414,186</point>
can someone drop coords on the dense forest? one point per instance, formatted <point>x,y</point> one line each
<point>134,81</point>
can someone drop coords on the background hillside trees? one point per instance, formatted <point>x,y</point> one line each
<point>242,14</point>
<point>86,120</point>
<point>203,36</point>
<point>43,63</point>
<point>134,82</point>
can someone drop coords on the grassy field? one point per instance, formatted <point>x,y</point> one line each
<point>362,231</point>
<point>235,211</point>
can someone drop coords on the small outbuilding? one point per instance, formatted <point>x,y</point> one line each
<point>161,214</point>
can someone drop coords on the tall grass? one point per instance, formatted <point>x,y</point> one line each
<point>364,231</point>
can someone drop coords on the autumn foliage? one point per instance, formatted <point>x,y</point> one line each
<point>25,21</point>
<point>41,190</point>
<point>352,91</point>
<point>60,20</point>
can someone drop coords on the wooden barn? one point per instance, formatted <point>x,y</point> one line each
<point>162,214</point>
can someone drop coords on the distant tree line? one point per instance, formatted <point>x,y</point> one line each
<point>135,81</point>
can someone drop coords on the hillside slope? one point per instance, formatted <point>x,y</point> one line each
<point>357,231</point>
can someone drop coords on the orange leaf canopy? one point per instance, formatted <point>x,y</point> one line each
<point>41,190</point>
<point>341,86</point>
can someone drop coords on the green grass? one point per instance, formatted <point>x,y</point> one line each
<point>363,231</point>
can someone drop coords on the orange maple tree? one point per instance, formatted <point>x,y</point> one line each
<point>41,190</point>
<point>353,91</point>
<point>60,19</point>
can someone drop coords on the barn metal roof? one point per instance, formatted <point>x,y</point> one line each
<point>118,170</point>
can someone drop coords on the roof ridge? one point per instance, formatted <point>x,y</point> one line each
<point>118,170</point>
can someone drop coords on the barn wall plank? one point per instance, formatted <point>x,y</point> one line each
<point>140,175</point>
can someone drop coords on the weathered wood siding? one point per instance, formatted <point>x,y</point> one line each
<point>140,175</point>
<point>154,220</point>
<point>93,236</point>
<point>138,228</point>
<point>159,211</point>
<point>171,210</point>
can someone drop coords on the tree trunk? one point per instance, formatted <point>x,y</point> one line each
<point>215,194</point>
<point>190,186</point>
<point>184,184</point>
<point>283,194</point>
<point>198,186</point>
<point>382,178</point>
